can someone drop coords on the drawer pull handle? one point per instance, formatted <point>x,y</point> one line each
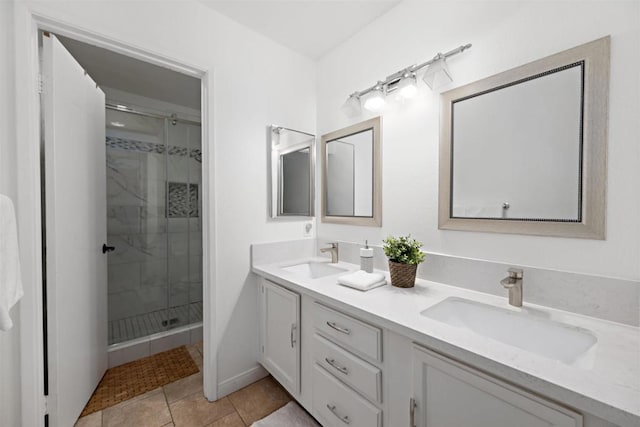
<point>344,419</point>
<point>333,363</point>
<point>338,328</point>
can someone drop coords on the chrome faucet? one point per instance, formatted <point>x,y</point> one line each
<point>334,252</point>
<point>513,283</point>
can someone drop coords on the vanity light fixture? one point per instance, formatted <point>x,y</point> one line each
<point>403,81</point>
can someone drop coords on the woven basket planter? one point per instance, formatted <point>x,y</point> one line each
<point>402,275</point>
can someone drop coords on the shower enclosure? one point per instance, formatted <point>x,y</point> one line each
<point>154,176</point>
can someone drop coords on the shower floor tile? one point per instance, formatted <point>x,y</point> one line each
<point>151,323</point>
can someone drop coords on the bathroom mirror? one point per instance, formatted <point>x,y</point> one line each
<point>524,151</point>
<point>351,175</point>
<point>292,172</point>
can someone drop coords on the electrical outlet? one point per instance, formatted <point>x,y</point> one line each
<point>308,228</point>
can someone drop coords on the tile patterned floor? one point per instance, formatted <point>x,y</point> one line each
<point>182,404</point>
<point>151,323</point>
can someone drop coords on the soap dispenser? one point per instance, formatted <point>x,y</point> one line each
<point>366,258</point>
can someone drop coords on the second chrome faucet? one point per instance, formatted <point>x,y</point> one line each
<point>513,282</point>
<point>334,252</point>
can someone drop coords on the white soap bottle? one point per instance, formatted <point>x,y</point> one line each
<point>366,258</point>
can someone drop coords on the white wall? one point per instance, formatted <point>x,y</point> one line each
<point>504,35</point>
<point>10,340</point>
<point>256,82</point>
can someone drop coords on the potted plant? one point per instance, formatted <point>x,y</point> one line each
<point>404,256</point>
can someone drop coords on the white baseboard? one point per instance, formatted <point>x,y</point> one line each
<point>239,381</point>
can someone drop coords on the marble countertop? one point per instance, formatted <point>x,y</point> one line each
<point>605,382</point>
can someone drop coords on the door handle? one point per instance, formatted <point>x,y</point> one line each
<point>412,412</point>
<point>106,248</point>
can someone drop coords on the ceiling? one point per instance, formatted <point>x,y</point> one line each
<point>309,27</point>
<point>124,73</point>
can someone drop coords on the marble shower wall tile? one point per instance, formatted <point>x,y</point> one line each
<point>153,272</point>
<point>178,168</point>
<point>195,292</point>
<point>137,247</point>
<point>179,294</point>
<point>139,301</point>
<point>123,277</point>
<point>124,185</point>
<point>178,244</point>
<point>153,166</point>
<point>195,224</point>
<point>123,219</point>
<point>179,225</point>
<point>195,243</point>
<point>178,270</point>
<point>153,219</point>
<point>606,298</point>
<point>154,192</point>
<point>195,269</point>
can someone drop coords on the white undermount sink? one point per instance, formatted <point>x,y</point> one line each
<point>314,270</point>
<point>528,332</point>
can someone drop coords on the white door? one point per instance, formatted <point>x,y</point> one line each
<point>280,352</point>
<point>75,188</point>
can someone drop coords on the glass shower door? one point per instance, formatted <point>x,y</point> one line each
<point>154,193</point>
<point>136,225</point>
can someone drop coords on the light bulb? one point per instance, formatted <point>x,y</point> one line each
<point>352,106</point>
<point>408,86</point>
<point>375,100</point>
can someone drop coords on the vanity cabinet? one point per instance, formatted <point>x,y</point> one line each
<point>447,393</point>
<point>280,334</point>
<point>346,377</point>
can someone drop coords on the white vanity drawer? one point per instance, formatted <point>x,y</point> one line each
<point>354,371</point>
<point>362,338</point>
<point>335,404</point>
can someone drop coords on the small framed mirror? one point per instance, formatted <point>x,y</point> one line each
<point>292,172</point>
<point>351,175</point>
<point>524,151</point>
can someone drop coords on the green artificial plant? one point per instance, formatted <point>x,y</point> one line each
<point>403,250</point>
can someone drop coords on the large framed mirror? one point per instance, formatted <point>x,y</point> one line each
<point>524,151</point>
<point>292,172</point>
<point>351,175</point>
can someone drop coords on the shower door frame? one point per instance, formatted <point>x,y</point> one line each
<point>28,130</point>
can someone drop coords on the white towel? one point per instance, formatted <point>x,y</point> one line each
<point>10,282</point>
<point>362,280</point>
